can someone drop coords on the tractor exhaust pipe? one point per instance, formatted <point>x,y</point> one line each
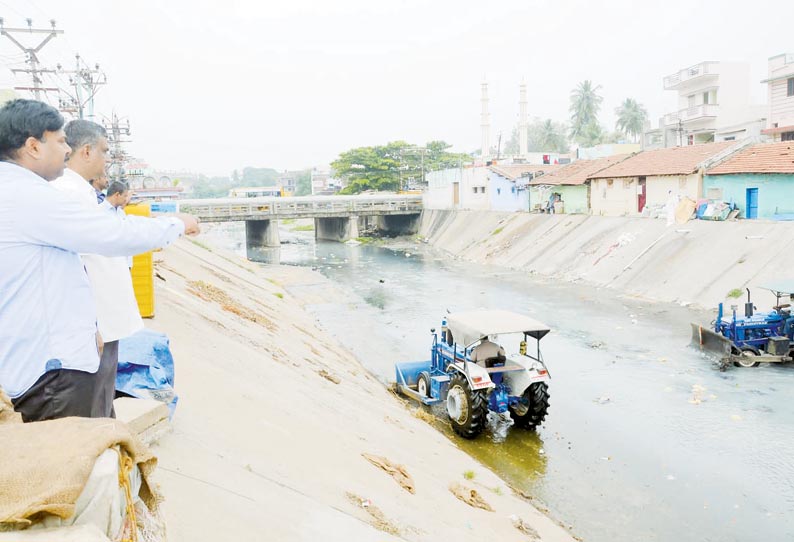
<point>748,307</point>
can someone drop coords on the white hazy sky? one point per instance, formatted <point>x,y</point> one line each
<point>214,86</point>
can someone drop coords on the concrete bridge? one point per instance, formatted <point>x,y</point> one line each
<point>336,218</point>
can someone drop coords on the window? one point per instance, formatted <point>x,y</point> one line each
<point>790,87</point>
<point>787,136</point>
<point>498,191</point>
<point>706,97</point>
<point>730,138</point>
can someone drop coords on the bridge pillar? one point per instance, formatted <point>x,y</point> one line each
<point>339,229</point>
<point>394,225</point>
<point>260,234</point>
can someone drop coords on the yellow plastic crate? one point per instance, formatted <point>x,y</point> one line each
<point>142,269</point>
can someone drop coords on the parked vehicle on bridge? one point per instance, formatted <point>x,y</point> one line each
<point>755,337</point>
<point>470,371</point>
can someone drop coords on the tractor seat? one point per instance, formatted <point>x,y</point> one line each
<point>499,359</point>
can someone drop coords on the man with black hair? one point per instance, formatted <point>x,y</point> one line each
<point>49,355</point>
<point>118,195</point>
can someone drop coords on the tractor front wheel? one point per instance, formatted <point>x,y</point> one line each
<point>531,410</point>
<point>423,384</point>
<point>467,409</point>
<point>746,357</point>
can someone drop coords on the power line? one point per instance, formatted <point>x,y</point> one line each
<point>31,53</point>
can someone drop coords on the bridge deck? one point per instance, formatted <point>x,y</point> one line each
<point>239,209</point>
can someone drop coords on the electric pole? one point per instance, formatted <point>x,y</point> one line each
<point>117,130</point>
<point>31,53</point>
<point>85,81</point>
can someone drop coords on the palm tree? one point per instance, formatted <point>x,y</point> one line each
<point>585,104</point>
<point>551,136</point>
<point>631,118</point>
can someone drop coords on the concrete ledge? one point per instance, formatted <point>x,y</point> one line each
<point>146,417</point>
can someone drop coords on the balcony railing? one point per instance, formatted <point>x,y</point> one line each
<point>704,68</point>
<point>692,113</point>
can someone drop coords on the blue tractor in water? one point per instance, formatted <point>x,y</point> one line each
<point>754,337</point>
<point>479,363</point>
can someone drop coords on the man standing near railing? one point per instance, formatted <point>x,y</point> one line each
<point>49,353</point>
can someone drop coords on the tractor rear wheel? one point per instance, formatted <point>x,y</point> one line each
<point>745,357</point>
<point>467,409</point>
<point>530,412</point>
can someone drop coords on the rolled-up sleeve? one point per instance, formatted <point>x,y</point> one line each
<point>55,219</point>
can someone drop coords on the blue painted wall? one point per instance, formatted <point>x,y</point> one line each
<point>775,191</point>
<point>503,195</point>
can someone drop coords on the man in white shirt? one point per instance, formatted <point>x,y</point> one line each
<point>116,307</point>
<point>48,350</point>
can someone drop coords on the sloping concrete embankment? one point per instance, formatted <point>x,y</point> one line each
<point>274,418</point>
<point>694,263</point>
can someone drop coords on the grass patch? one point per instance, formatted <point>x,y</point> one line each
<point>288,221</point>
<point>469,474</point>
<point>497,231</point>
<point>305,227</point>
<point>735,293</point>
<point>279,295</point>
<point>497,490</point>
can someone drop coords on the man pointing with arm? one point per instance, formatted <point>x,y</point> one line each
<point>48,352</point>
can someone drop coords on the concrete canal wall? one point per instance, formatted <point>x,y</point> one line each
<point>694,263</point>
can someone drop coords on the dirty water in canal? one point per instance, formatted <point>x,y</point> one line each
<point>645,440</point>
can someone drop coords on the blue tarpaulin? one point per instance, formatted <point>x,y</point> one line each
<point>146,368</point>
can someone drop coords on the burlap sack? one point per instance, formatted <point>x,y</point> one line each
<point>7,413</point>
<point>44,465</point>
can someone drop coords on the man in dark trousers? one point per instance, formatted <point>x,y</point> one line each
<point>49,355</point>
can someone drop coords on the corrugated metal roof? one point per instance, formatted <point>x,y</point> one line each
<point>514,171</point>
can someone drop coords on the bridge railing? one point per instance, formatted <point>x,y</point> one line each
<point>263,207</point>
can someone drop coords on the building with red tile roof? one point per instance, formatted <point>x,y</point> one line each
<point>651,177</point>
<point>759,180</point>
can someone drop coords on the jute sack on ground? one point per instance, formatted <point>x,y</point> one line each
<point>7,413</point>
<point>45,465</point>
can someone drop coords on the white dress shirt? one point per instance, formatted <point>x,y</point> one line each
<point>116,308</point>
<point>47,312</point>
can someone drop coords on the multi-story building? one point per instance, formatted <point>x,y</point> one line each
<point>323,184</point>
<point>781,98</point>
<point>713,105</point>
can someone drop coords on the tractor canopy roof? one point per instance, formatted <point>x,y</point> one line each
<point>779,287</point>
<point>470,326</point>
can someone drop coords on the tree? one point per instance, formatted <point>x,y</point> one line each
<point>543,135</point>
<point>255,176</point>
<point>303,184</point>
<point>584,108</point>
<point>550,136</point>
<point>631,118</point>
<point>384,167</point>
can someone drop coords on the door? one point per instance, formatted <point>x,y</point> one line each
<point>752,203</point>
<point>455,194</point>
<point>641,195</point>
